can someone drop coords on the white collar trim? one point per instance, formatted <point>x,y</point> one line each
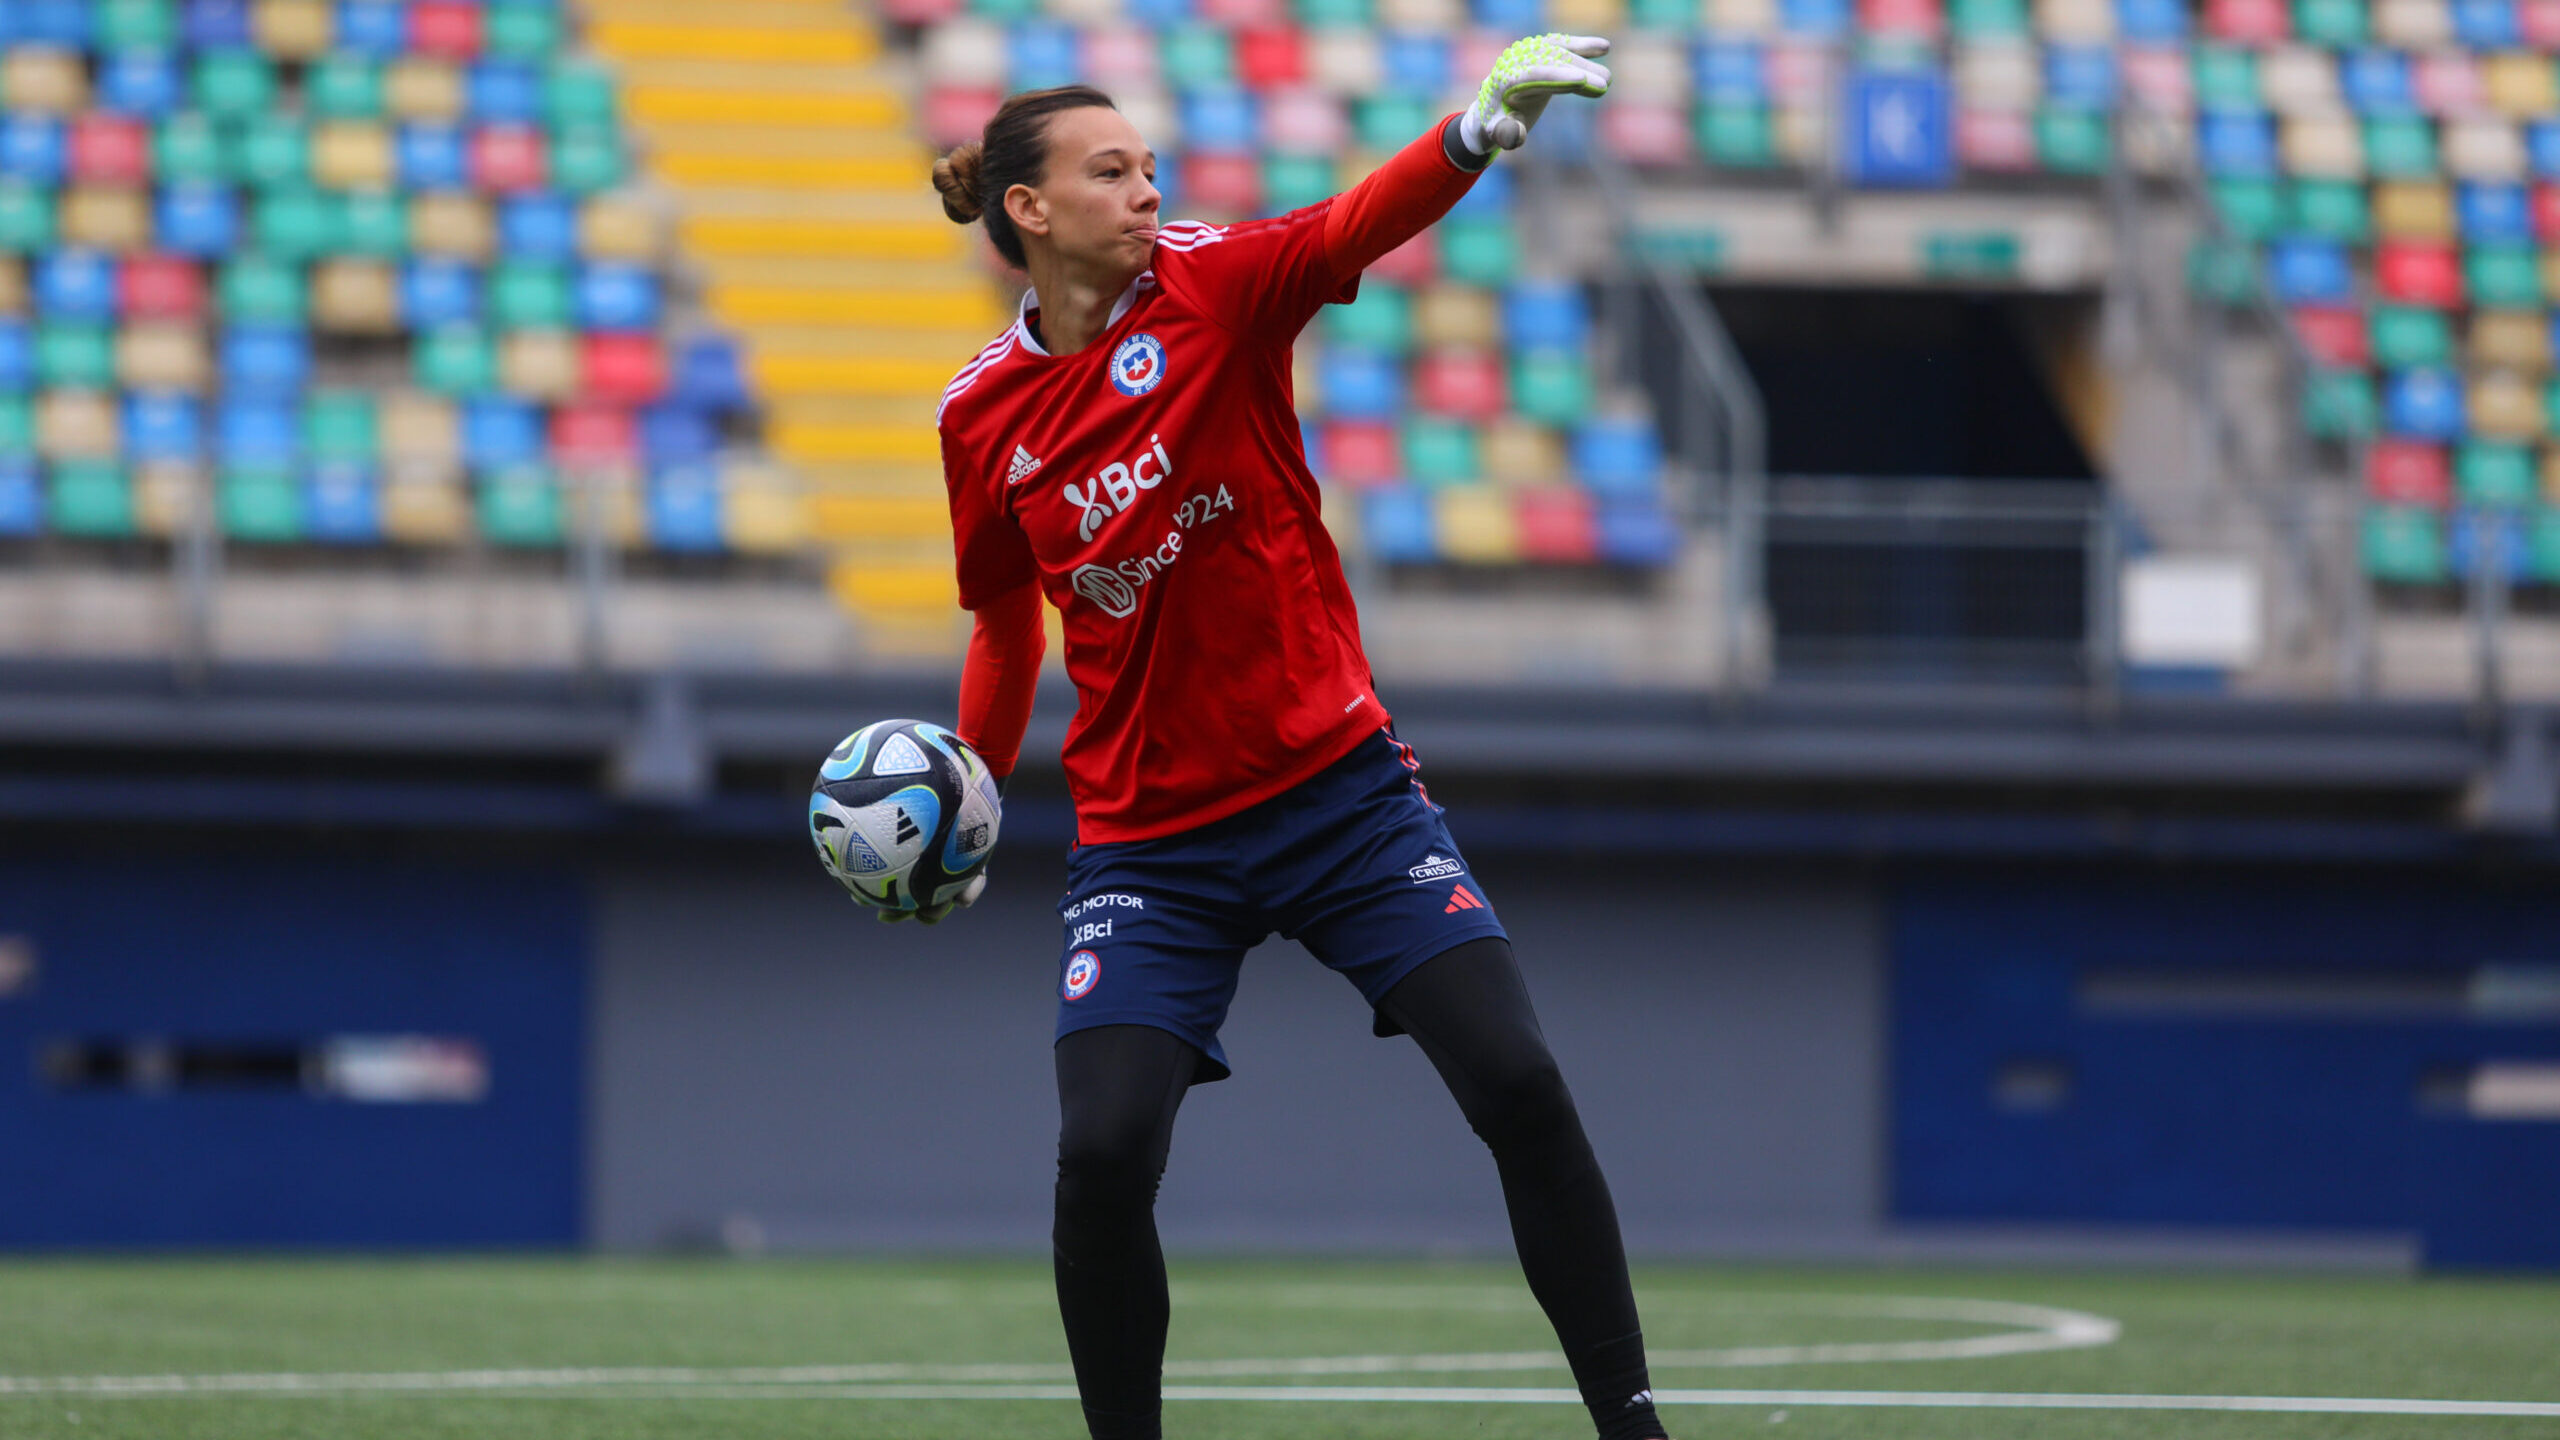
<point>1031,301</point>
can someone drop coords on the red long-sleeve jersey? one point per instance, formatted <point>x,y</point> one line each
<point>1153,486</point>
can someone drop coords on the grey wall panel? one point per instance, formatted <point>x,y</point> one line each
<point>764,1051</point>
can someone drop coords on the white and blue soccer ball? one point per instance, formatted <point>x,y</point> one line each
<point>904,814</point>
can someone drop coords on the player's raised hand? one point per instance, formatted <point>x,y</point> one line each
<point>933,914</point>
<point>1526,75</point>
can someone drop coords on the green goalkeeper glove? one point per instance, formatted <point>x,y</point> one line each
<point>1526,75</point>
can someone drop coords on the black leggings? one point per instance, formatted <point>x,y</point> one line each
<point>1119,1087</point>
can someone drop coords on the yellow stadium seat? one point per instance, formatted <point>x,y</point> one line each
<point>2511,340</point>
<point>46,81</point>
<point>1341,515</point>
<point>539,364</point>
<point>1999,74</point>
<point>871,587</point>
<point>2551,476</point>
<point>2076,22</point>
<point>1517,451</point>
<point>2521,84</point>
<point>1742,17</point>
<point>352,155</point>
<point>1457,315</point>
<point>456,225</point>
<point>2413,210</point>
<point>76,424</point>
<point>2551,275</point>
<point>1799,132</point>
<point>2328,147</point>
<point>1306,380</point>
<point>2413,24</point>
<point>610,229</point>
<point>2484,149</point>
<point>761,511</point>
<point>1477,525</point>
<point>2505,406</point>
<point>13,286</point>
<point>293,29</point>
<point>421,89</point>
<point>165,496</point>
<point>878,517</point>
<point>1587,17</point>
<point>424,505</point>
<point>415,426</point>
<point>103,219</point>
<point>356,297</point>
<point>163,355</point>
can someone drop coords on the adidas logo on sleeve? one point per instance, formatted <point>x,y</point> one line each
<point>1024,462</point>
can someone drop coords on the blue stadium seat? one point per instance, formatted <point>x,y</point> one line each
<point>617,297</point>
<point>2080,77</point>
<point>260,432</point>
<point>1398,527</point>
<point>2377,82</point>
<point>1158,13</point>
<point>21,496</point>
<point>1043,53</point>
<point>217,24</point>
<point>76,285</point>
<point>1517,17</point>
<point>1415,62</point>
<point>1360,384</point>
<point>2542,142</point>
<point>498,431</point>
<point>2493,210</point>
<point>678,435</point>
<point>372,27</point>
<point>50,22</point>
<point>1566,134</point>
<point>17,355</point>
<point>141,83</point>
<point>1311,441</point>
<point>2151,20</point>
<point>162,427</point>
<point>31,148</point>
<point>505,92</point>
<point>1545,315</point>
<point>1636,534</point>
<point>709,373</point>
<point>436,292</point>
<point>1220,122</point>
<point>1618,459</point>
<point>198,219</point>
<point>2487,24</point>
<point>538,227</point>
<point>432,157</point>
<point>342,503</point>
<point>2506,533</point>
<point>1813,17</point>
<point>265,361</point>
<point>2236,142</point>
<point>684,508</point>
<point>2300,268</point>
<point>2425,403</point>
<point>1731,72</point>
<point>1490,196</point>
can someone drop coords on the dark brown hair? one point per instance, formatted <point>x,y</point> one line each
<point>974,177</point>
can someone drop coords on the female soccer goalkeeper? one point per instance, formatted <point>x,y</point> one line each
<point>1129,449</point>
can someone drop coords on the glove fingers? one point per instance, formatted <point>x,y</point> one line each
<point>1590,47</point>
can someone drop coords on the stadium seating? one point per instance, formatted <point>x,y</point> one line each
<point>349,262</point>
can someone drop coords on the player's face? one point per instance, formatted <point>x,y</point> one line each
<point>1098,199</point>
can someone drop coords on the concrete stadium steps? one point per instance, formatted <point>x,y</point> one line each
<point>806,210</point>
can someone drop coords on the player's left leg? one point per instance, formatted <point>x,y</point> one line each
<point>1470,1013</point>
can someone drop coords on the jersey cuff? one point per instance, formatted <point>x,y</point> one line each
<point>1453,143</point>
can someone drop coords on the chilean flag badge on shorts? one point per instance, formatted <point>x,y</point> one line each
<point>1083,969</point>
<point>1137,365</point>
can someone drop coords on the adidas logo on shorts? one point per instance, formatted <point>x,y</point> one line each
<point>1463,898</point>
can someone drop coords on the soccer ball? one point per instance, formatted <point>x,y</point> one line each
<point>904,814</point>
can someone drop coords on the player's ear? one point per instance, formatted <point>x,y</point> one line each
<point>1029,213</point>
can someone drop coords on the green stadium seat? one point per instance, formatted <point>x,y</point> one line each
<point>456,360</point>
<point>1004,11</point>
<point>2406,337</point>
<point>521,29</point>
<point>2542,546</point>
<point>2502,275</point>
<point>90,498</point>
<point>521,506</point>
<point>1479,250</point>
<point>2400,147</point>
<point>17,425</point>
<point>1987,19</point>
<point>1388,123</point>
<point>2340,404</point>
<point>1380,319</point>
<point>295,224</point>
<point>1333,13</point>
<point>373,223</point>
<point>2335,209</point>
<point>1292,181</point>
<point>2487,473</point>
<point>575,93</point>
<point>1196,57</point>
<point>257,287</point>
<point>236,84</point>
<point>1736,135</point>
<point>2071,142</point>
<point>135,25</point>
<point>26,217</point>
<point>527,293</point>
<point>339,425</point>
<point>2337,24</point>
<point>1552,386</point>
<point>2404,544</point>
<point>586,158</point>
<point>2226,271</point>
<point>2251,209</point>
<point>76,354</point>
<point>1674,17</point>
<point>258,502</point>
<point>343,87</point>
<point>274,153</point>
<point>1440,452</point>
<point>2226,78</point>
<point>190,147</point>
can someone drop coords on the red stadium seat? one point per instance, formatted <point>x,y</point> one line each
<point>1233,14</point>
<point>2541,21</point>
<point>2334,334</point>
<point>1995,140</point>
<point>110,150</point>
<point>159,287</point>
<point>1415,262</point>
<point>1271,57</point>
<point>1362,452</point>
<point>955,113</point>
<point>2546,213</point>
<point>1902,17</point>
<point>2408,472</point>
<point>507,159</point>
<point>621,369</point>
<point>1463,384</point>
<point>449,29</point>
<point>1556,526</point>
<point>921,12</point>
<point>1222,184</point>
<point>594,435</point>
<point>2418,272</point>
<point>2249,22</point>
<point>1646,133</point>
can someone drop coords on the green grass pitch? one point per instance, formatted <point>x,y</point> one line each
<point>616,1349</point>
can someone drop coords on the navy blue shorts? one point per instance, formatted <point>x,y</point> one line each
<point>1354,863</point>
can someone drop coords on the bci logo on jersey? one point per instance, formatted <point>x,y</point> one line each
<point>1112,491</point>
<point>1137,365</point>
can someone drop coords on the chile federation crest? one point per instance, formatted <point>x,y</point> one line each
<point>1137,365</point>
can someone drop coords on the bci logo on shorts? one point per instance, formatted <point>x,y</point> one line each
<point>1083,969</point>
<point>1137,365</point>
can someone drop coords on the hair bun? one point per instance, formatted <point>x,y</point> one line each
<point>956,176</point>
